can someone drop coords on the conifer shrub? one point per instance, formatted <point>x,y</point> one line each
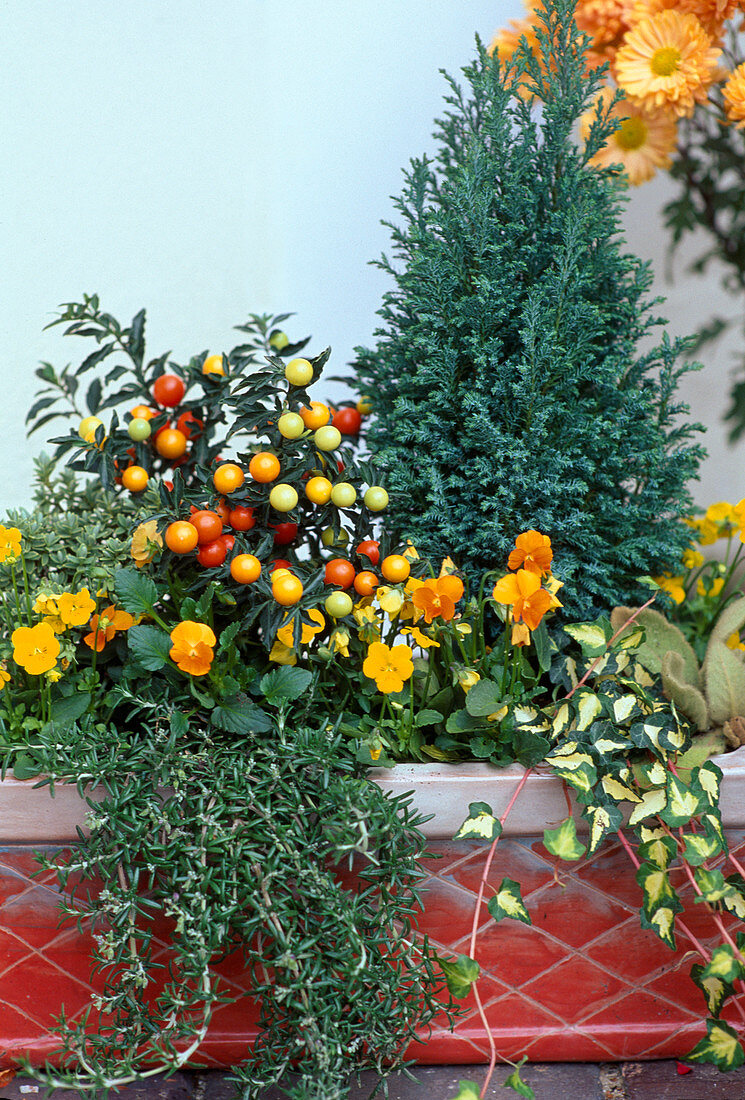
<point>512,382</point>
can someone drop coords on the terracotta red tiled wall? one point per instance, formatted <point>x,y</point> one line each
<point>585,982</point>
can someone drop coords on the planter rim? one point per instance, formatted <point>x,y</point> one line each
<point>30,814</point>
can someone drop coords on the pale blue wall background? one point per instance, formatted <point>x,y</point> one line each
<point>208,160</point>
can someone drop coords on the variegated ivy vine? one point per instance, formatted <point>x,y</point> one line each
<point>635,773</point>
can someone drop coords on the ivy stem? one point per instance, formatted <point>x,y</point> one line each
<point>474,928</point>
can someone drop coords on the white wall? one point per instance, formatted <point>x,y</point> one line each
<point>209,160</point>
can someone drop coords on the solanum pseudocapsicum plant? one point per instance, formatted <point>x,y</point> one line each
<point>291,497</point>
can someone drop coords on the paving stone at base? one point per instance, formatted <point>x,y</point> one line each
<point>661,1081</point>
<point>181,1086</point>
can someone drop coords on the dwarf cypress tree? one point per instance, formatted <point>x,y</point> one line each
<point>508,384</point>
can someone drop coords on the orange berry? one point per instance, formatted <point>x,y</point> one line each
<point>245,568</point>
<point>286,588</point>
<point>264,467</point>
<point>316,416</point>
<point>395,568</point>
<point>135,478</point>
<point>228,477</point>
<point>181,537</point>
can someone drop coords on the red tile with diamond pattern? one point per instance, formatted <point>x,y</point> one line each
<point>585,982</point>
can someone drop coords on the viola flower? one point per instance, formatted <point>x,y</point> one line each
<point>437,598</point>
<point>421,639</point>
<point>146,542</point>
<point>522,590</point>
<point>54,675</point>
<point>734,97</point>
<point>692,559</point>
<point>283,654</point>
<point>106,625</point>
<point>389,666</point>
<point>10,544</point>
<point>286,633</point>
<point>367,621</point>
<point>339,641</point>
<point>75,608</point>
<point>520,635</point>
<point>4,676</point>
<point>391,600</point>
<point>467,677</point>
<point>35,648</point>
<point>713,589</point>
<point>532,552</point>
<point>673,586</point>
<point>733,642</point>
<point>721,512</point>
<point>192,648</point>
<point>667,60</point>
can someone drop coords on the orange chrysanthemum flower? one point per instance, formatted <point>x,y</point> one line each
<point>605,22</point>
<point>437,597</point>
<point>192,648</point>
<point>522,590</point>
<point>667,59</point>
<point>35,648</point>
<point>533,552</point>
<point>642,143</point>
<point>105,626</point>
<point>734,97</point>
<point>389,666</point>
<point>711,14</point>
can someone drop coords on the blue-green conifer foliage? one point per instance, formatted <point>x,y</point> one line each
<point>512,381</point>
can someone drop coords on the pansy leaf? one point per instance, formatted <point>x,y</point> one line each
<point>562,841</point>
<point>65,711</point>
<point>136,592</point>
<point>484,698</point>
<point>149,646</point>
<point>481,824</point>
<point>238,714</point>
<point>285,684</point>
<point>460,974</point>
<point>508,902</point>
<point>721,1047</point>
<point>530,748</point>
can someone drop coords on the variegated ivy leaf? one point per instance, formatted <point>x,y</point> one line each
<point>652,802</point>
<point>562,719</point>
<point>460,974</point>
<point>659,850</point>
<point>481,824</point>
<point>724,965</point>
<point>562,841</point>
<point>657,889</point>
<point>618,791</point>
<point>712,822</point>
<point>715,990</point>
<point>647,832</point>
<point>709,778</point>
<point>626,707</point>
<point>734,899</point>
<point>631,638</point>
<point>589,707</point>
<point>658,732</point>
<point>662,923</point>
<point>712,884</point>
<point>593,638</point>
<point>609,743</point>
<point>508,902</point>
<point>582,776</point>
<point>653,774</point>
<point>467,1090</point>
<point>514,1081</point>
<point>683,804</point>
<point>700,847</point>
<point>601,820</point>
<point>721,1047</point>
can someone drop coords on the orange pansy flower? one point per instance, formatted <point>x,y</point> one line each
<point>532,552</point>
<point>437,597</point>
<point>35,648</point>
<point>192,648</point>
<point>105,626</point>
<point>522,590</point>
